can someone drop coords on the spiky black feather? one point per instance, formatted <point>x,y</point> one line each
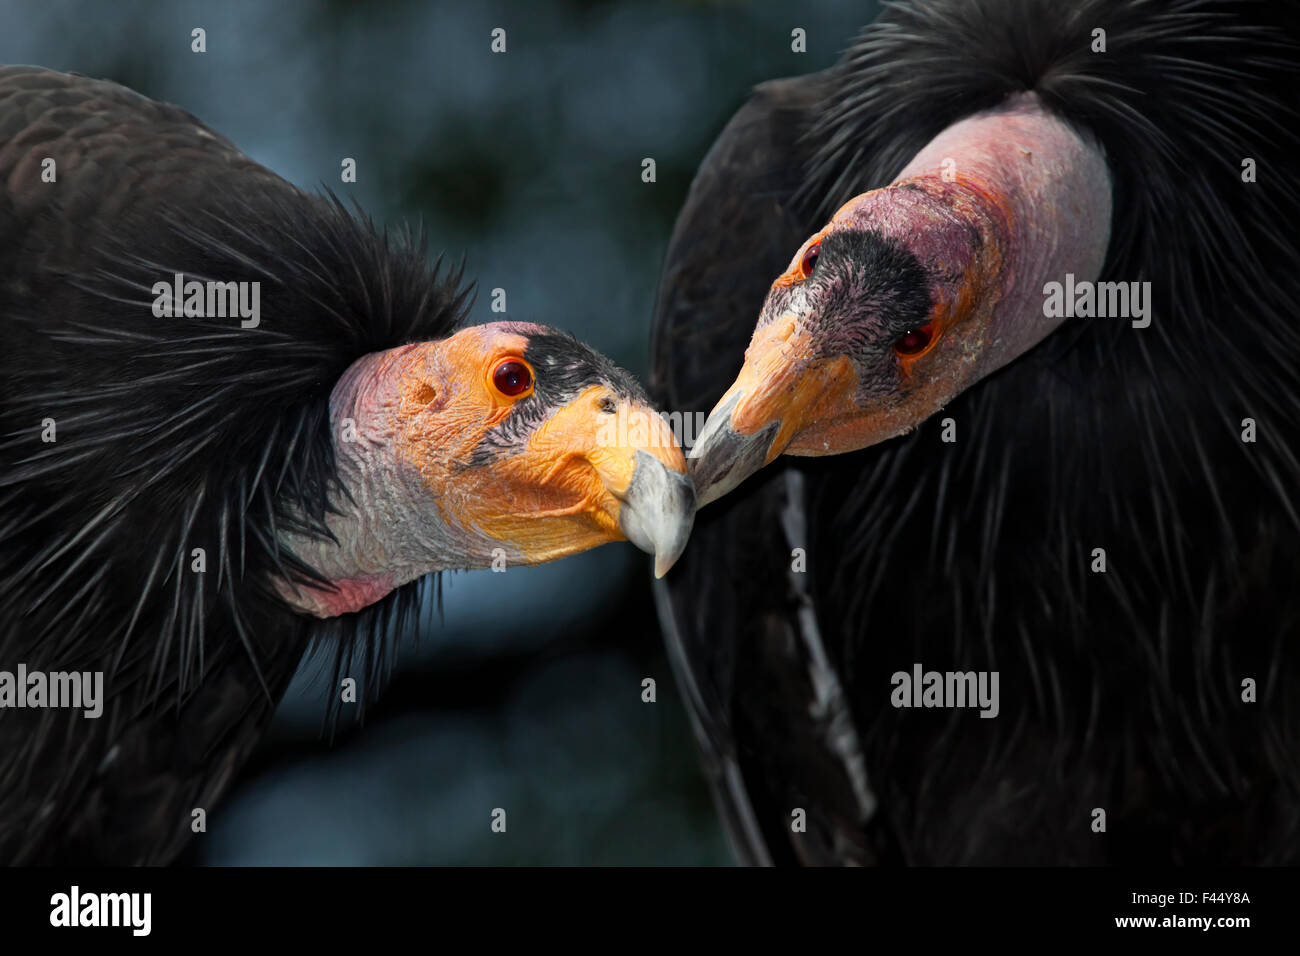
<point>1120,690</point>
<point>172,434</point>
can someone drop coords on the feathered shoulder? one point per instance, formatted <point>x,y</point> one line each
<point>171,431</point>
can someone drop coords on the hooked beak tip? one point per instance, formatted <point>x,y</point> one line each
<point>722,457</point>
<point>658,511</point>
<point>664,563</point>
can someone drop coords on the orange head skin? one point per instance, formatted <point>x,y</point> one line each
<point>912,293</point>
<point>498,444</point>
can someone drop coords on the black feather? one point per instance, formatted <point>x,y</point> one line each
<point>1120,690</point>
<point>172,434</point>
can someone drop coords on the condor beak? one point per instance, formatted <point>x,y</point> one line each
<point>643,473</point>
<point>723,457</point>
<point>657,510</point>
<point>781,388</point>
<point>587,476</point>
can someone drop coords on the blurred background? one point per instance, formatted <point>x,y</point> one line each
<point>526,693</point>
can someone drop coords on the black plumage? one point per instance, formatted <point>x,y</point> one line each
<point>1120,690</point>
<point>171,434</point>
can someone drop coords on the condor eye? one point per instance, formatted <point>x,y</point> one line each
<point>914,341</point>
<point>809,261</point>
<point>512,378</point>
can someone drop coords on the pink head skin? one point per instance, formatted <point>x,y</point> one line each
<point>913,293</point>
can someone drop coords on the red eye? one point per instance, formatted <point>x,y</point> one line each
<point>914,340</point>
<point>809,261</point>
<point>512,378</point>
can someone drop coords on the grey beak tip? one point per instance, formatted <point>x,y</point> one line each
<point>658,511</point>
<point>664,564</point>
<point>709,493</point>
<point>722,458</point>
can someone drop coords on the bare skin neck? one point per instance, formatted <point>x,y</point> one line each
<point>389,529</point>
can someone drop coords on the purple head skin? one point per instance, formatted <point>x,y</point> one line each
<point>913,293</point>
